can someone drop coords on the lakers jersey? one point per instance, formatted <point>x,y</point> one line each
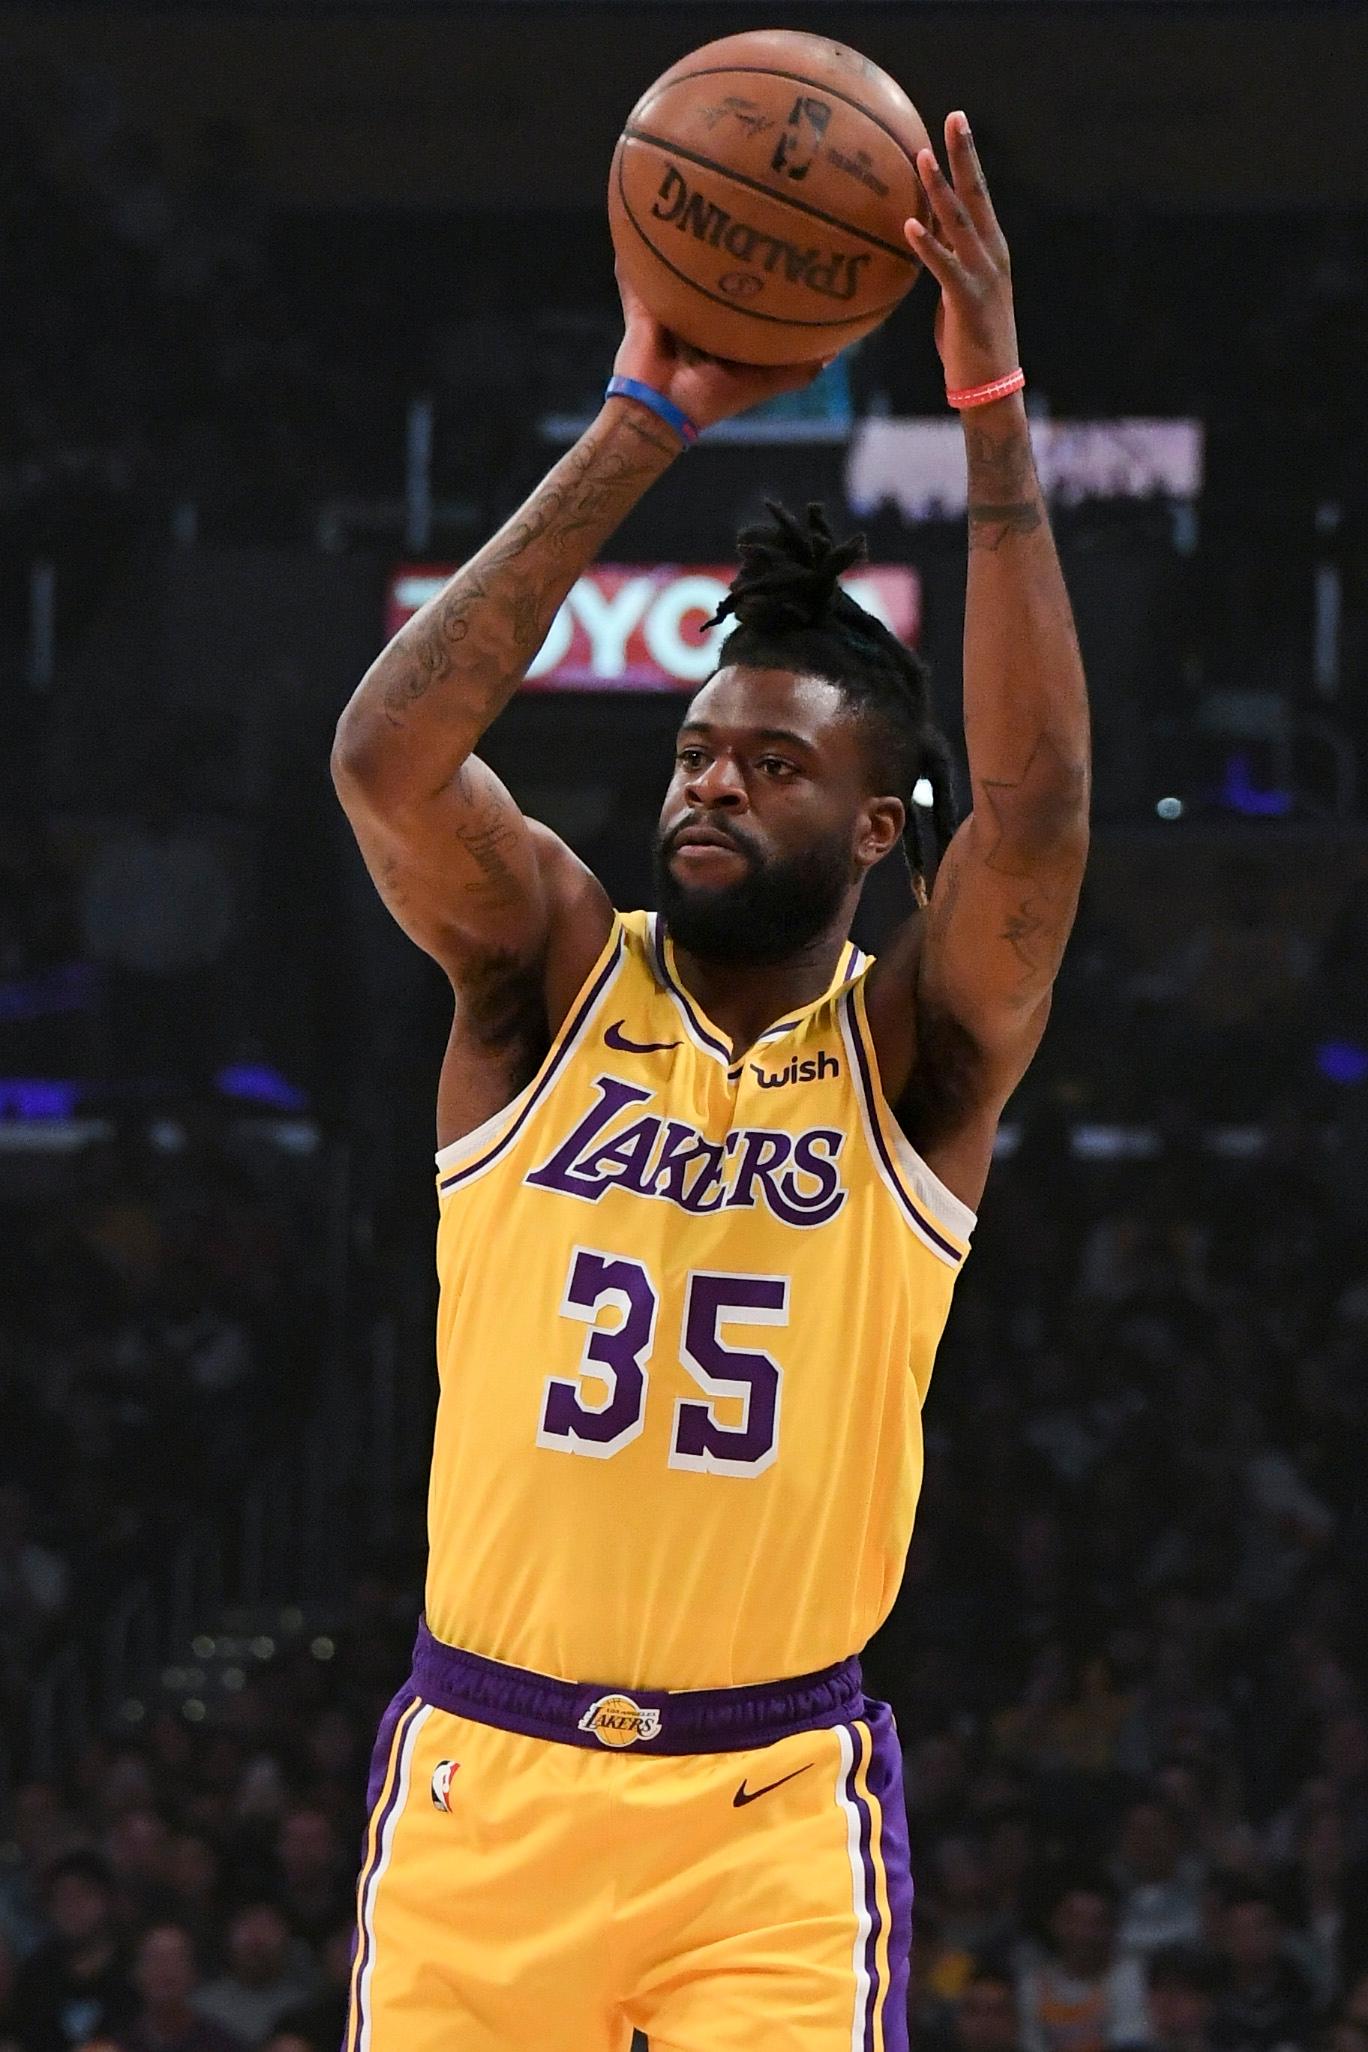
<point>689,1307</point>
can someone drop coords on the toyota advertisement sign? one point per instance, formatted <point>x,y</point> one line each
<point>639,626</point>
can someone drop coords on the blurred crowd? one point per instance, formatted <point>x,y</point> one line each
<point>191,1891</point>
<point>152,1296</point>
<point>1129,1662</point>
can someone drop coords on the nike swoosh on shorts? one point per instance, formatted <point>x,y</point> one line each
<point>746,1795</point>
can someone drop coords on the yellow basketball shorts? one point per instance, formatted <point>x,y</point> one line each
<point>547,1867</point>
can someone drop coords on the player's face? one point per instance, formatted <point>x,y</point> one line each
<point>766,829</point>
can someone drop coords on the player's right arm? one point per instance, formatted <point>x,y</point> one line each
<point>473,882</point>
<point>463,872</point>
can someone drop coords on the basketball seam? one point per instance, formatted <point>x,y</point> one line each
<point>795,78</point>
<point>871,317</point>
<point>783,199</point>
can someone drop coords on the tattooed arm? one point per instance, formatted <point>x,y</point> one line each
<point>472,881</point>
<point>985,958</point>
<point>465,875</point>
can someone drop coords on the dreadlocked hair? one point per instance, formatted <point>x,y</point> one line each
<point>791,614</point>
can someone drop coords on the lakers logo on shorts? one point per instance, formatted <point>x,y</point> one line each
<point>441,1783</point>
<point>618,1721</point>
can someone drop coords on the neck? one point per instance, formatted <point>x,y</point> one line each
<point>743,999</point>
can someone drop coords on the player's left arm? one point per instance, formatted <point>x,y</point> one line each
<point>981,969</point>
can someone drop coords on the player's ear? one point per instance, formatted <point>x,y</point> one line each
<point>880,829</point>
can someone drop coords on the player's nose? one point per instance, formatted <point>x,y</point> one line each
<point>719,783</point>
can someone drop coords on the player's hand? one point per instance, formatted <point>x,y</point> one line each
<point>966,253</point>
<point>707,388</point>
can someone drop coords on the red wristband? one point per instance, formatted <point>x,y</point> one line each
<point>984,395</point>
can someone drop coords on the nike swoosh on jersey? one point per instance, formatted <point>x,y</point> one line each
<point>613,1036</point>
<point>746,1795</point>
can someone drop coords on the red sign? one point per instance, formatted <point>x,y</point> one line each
<point>639,626</point>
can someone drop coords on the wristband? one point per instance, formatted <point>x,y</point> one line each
<point>984,395</point>
<point>665,409</point>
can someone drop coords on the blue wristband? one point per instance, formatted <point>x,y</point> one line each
<point>665,409</point>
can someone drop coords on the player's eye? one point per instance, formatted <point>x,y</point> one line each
<point>774,766</point>
<point>690,758</point>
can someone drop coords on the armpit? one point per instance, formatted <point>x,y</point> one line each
<point>945,1090</point>
<point>501,1010</point>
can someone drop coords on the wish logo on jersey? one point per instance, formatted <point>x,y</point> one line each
<point>617,1146</point>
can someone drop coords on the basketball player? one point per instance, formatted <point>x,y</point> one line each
<point>706,1178</point>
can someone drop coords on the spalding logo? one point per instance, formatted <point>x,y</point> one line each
<point>618,1721</point>
<point>441,1783</point>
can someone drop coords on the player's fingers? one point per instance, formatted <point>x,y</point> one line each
<point>970,183</point>
<point>952,216</point>
<point>794,377</point>
<point>940,261</point>
<point>633,306</point>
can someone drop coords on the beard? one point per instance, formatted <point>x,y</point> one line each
<point>775,909</point>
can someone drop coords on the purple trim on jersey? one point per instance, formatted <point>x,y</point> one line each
<point>885,1782</point>
<point>870,1090</point>
<point>690,1720</point>
<point>547,1076</point>
<point>709,1039</point>
<point>406,1701</point>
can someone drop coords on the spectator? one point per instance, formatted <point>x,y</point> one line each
<point>315,1884</point>
<point>324,2020</point>
<point>1324,1885</point>
<point>75,1983</point>
<point>1356,2003</point>
<point>194,1869</point>
<point>1263,2000</point>
<point>1081,1996</point>
<point>986,2018</point>
<point>33,1579</point>
<point>42,1829</point>
<point>9,2041</point>
<point>1181,1985</point>
<point>1160,1903</point>
<point>158,911</point>
<point>138,1848</point>
<point>268,1975</point>
<point>166,1975</point>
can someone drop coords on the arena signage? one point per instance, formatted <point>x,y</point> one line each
<point>639,627</point>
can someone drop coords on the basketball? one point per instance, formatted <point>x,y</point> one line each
<point>758,192</point>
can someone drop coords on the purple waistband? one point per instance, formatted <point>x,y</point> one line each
<point>642,1720</point>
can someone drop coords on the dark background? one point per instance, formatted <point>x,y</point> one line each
<point>237,245</point>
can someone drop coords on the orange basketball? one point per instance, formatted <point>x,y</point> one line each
<point>758,193</point>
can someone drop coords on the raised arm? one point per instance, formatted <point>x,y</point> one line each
<point>465,874</point>
<point>982,966</point>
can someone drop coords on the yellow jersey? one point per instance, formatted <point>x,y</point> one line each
<point>689,1307</point>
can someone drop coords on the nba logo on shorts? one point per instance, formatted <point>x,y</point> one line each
<point>618,1721</point>
<point>441,1783</point>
